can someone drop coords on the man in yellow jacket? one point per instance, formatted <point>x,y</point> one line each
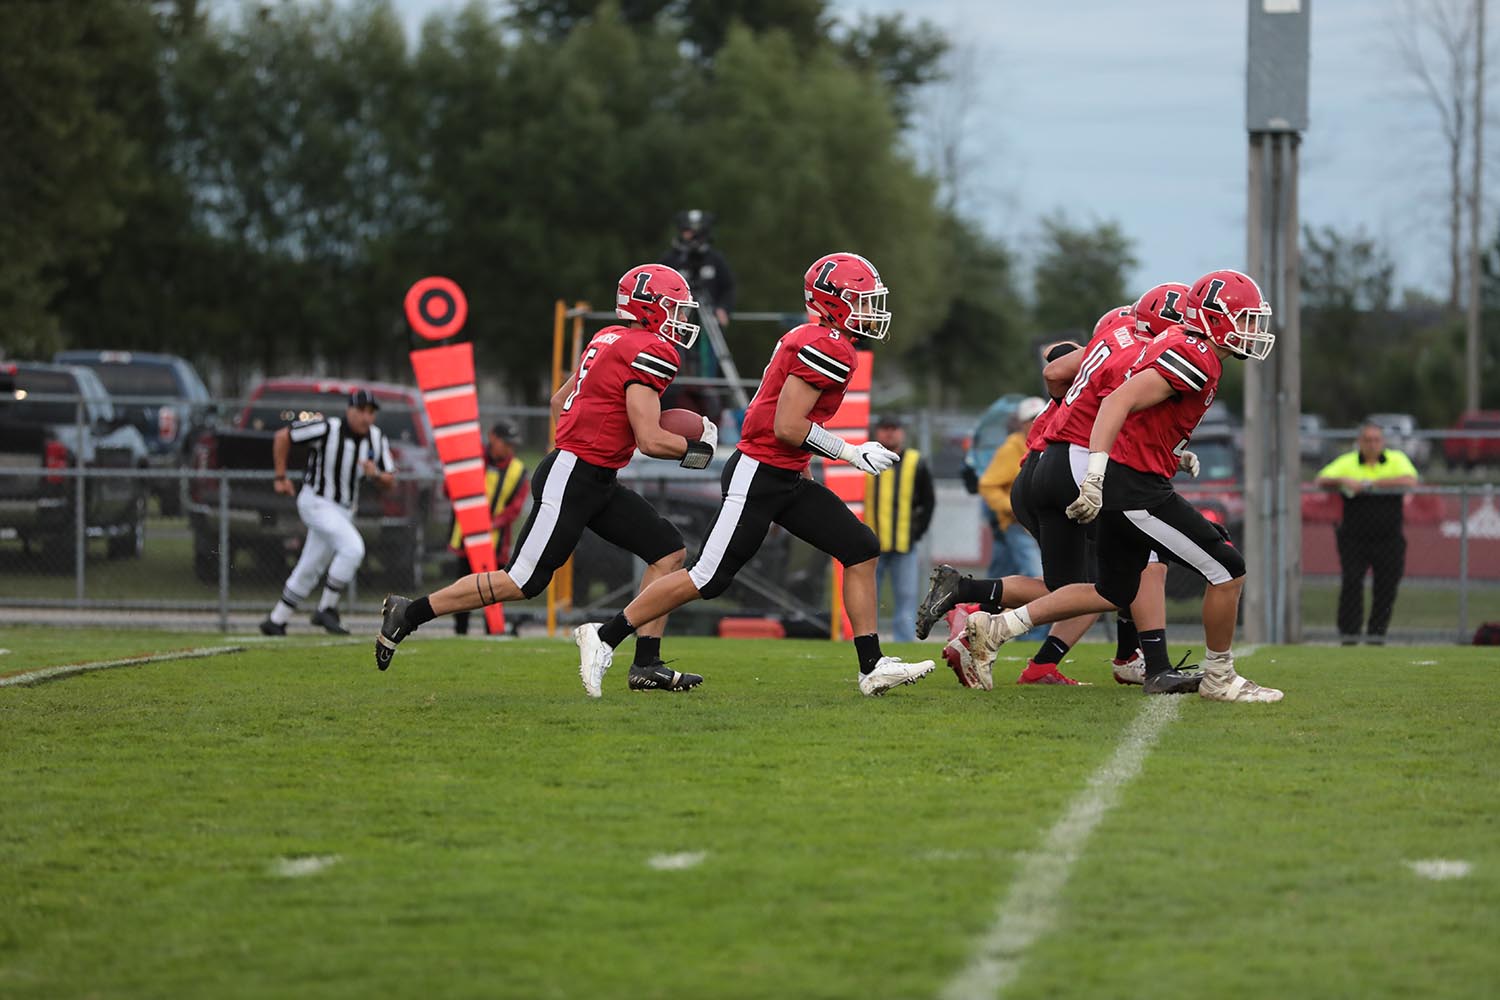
<point>898,508</point>
<point>1015,551</point>
<point>1373,481</point>
<point>505,489</point>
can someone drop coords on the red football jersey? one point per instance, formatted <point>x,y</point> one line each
<point>594,424</point>
<point>1036,438</point>
<point>822,357</point>
<point>1106,359</point>
<point>1152,439</point>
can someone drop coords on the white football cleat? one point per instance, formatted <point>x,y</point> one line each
<point>1221,683</point>
<point>986,634</point>
<point>892,672</point>
<point>957,655</point>
<point>594,658</point>
<point>1132,671</point>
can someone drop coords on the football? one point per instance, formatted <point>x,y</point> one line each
<point>684,422</point>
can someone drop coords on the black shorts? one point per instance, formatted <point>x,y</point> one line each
<point>1175,530</point>
<point>1063,541</point>
<point>1020,497</point>
<point>568,495</point>
<point>757,495</point>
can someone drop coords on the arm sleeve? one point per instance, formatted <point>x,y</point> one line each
<point>508,514</point>
<point>825,363</point>
<point>384,462</point>
<point>924,502</point>
<point>1179,366</point>
<point>304,431</point>
<point>655,366</point>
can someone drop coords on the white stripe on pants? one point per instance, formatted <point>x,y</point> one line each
<point>333,544</point>
<point>524,564</point>
<point>716,545</point>
<point>1180,545</point>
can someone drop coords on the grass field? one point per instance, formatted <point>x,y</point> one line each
<point>287,821</point>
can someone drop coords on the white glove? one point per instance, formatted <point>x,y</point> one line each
<point>871,458</point>
<point>1190,463</point>
<point>711,435</point>
<point>1091,490</point>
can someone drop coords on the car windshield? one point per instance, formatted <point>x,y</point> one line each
<point>136,380</point>
<point>17,406</point>
<point>274,410</point>
<point>1216,460</point>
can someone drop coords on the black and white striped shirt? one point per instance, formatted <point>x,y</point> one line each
<point>335,456</point>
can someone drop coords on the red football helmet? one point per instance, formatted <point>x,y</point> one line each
<point>1113,319</point>
<point>657,297</point>
<point>844,291</point>
<point>1226,306</point>
<point>1160,308</point>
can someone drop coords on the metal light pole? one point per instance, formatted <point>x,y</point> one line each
<point>1276,116</point>
<point>1476,206</point>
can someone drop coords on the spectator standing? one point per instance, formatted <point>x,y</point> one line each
<point>898,507</point>
<point>505,490</point>
<point>1370,536</point>
<point>1017,552</point>
<point>693,254</point>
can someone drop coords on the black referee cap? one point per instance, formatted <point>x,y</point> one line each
<point>363,398</point>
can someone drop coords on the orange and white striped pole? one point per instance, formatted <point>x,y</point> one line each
<point>852,423</point>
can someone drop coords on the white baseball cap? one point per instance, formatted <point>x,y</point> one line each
<point>1029,408</point>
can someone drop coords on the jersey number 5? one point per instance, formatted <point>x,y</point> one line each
<point>583,371</point>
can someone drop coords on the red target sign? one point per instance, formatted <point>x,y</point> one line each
<point>436,308</point>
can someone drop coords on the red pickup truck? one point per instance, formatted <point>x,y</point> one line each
<point>1469,451</point>
<point>402,528</point>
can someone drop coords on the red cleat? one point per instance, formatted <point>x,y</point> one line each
<point>1044,673</point>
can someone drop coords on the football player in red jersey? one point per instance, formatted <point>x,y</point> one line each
<point>609,407</point>
<point>764,483</point>
<point>1135,447</point>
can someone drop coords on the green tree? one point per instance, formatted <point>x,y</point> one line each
<point>1080,272</point>
<point>70,163</point>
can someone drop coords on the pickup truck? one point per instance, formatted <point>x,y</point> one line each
<point>1467,452</point>
<point>162,395</point>
<point>402,528</point>
<point>40,431</point>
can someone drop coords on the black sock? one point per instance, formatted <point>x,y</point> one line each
<point>615,630</point>
<point>868,648</point>
<point>1126,639</point>
<point>1154,647</point>
<point>647,649</point>
<point>972,591</point>
<point>419,613</point>
<point>1052,651</point>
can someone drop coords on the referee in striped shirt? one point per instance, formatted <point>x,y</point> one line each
<point>341,452</point>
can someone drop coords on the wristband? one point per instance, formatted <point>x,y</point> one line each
<point>1098,463</point>
<point>698,455</point>
<point>827,444</point>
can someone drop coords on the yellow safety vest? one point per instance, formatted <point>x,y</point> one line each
<point>499,493</point>
<point>888,499</point>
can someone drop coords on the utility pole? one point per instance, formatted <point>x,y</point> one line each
<point>1276,116</point>
<point>1476,206</point>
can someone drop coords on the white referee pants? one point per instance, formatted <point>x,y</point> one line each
<point>333,544</point>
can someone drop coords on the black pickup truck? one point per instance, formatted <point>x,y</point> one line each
<point>402,528</point>
<point>39,431</point>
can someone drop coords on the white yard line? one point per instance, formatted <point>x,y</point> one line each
<point>676,862</point>
<point>72,669</point>
<point>301,867</point>
<point>1029,909</point>
<point>1440,869</point>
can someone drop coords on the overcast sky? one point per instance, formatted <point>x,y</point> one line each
<point>1135,111</point>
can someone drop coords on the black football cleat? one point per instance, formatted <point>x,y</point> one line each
<point>942,595</point>
<point>268,627</point>
<point>657,676</point>
<point>1172,681</point>
<point>393,628</point>
<point>328,620</point>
